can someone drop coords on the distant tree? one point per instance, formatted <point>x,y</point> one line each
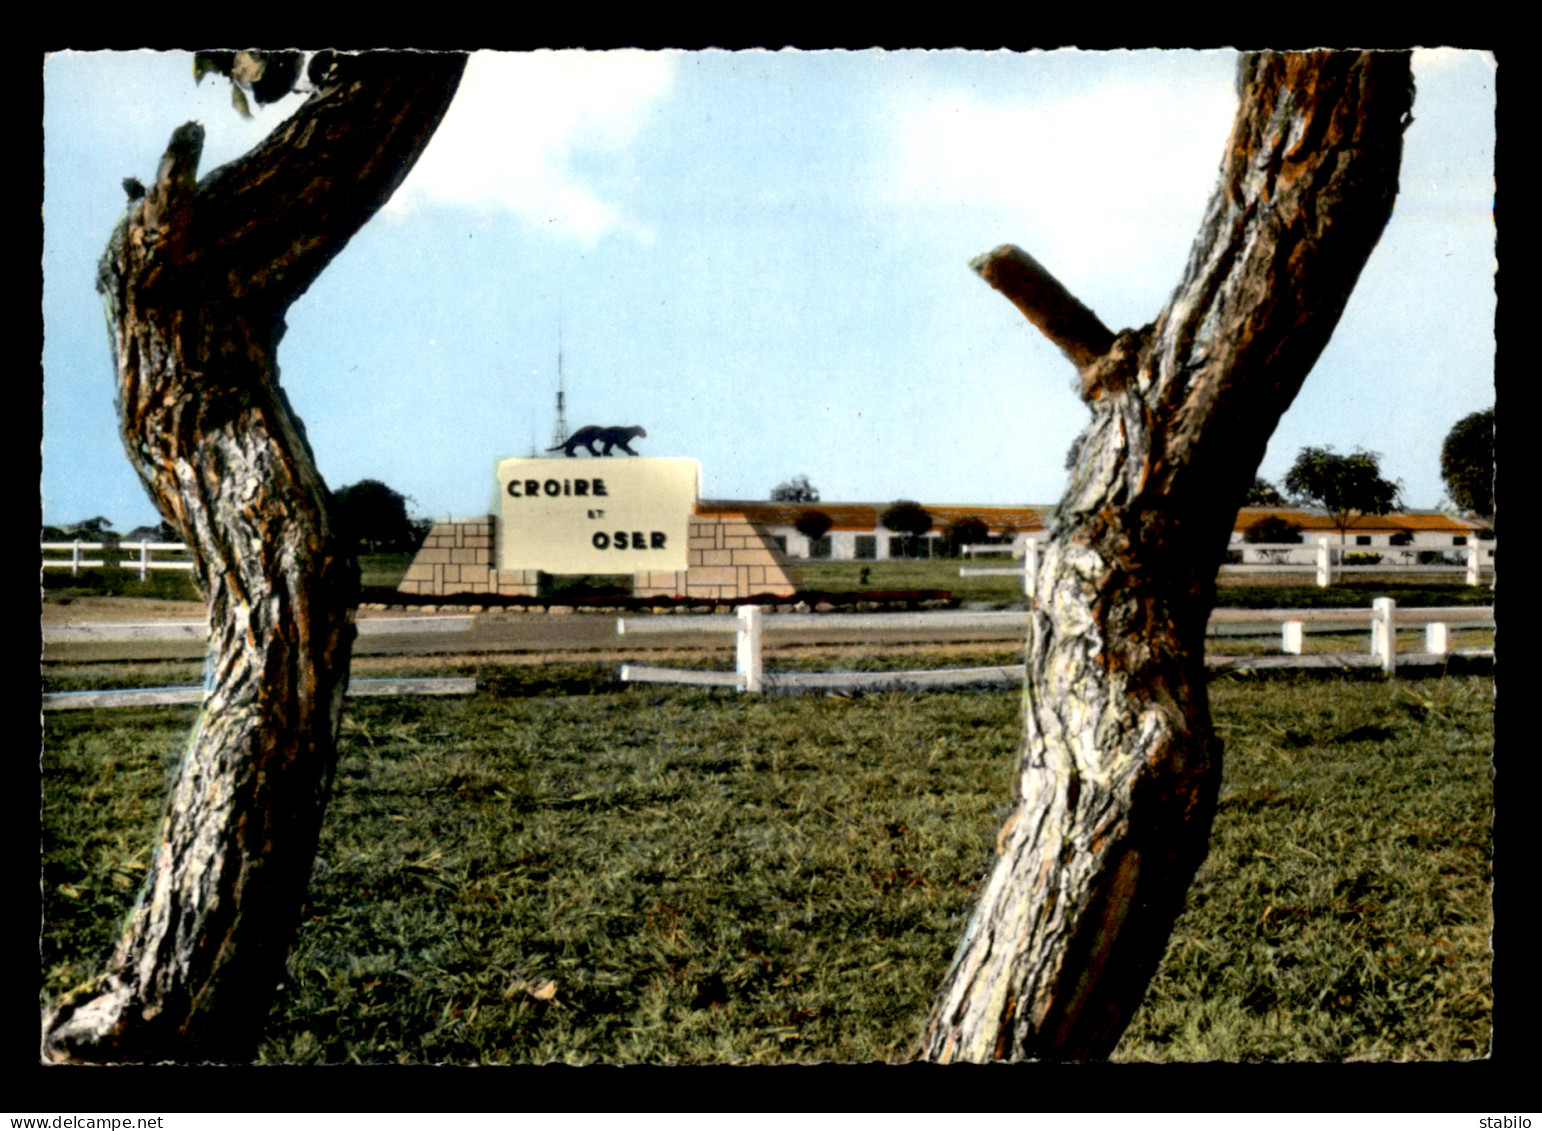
<point>374,515</point>
<point>813,525</point>
<point>1272,529</point>
<point>1263,494</point>
<point>1344,486</point>
<point>1467,463</point>
<point>97,529</point>
<point>969,531</point>
<point>908,518</point>
<point>161,532</point>
<point>798,490</point>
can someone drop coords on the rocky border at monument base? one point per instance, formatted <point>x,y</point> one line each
<point>806,601</point>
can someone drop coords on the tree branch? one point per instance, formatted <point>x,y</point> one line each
<point>1058,314</point>
<point>253,249</point>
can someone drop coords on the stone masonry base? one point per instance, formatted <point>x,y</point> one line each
<point>728,557</point>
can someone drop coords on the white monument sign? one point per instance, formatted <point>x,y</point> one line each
<point>586,516</point>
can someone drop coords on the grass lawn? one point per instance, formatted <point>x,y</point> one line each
<point>559,868</point>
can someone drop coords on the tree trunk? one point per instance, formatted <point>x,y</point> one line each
<point>1120,765</point>
<point>197,280</point>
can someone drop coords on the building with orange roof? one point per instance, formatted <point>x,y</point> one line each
<point>1400,537</point>
<point>857,534</point>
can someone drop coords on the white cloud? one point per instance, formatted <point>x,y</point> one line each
<point>1114,177</point>
<point>519,121</point>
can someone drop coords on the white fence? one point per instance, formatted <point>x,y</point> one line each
<point>749,626</point>
<point>144,561</point>
<point>1329,560</point>
<point>1327,564</point>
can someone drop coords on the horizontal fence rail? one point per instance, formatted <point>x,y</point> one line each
<point>143,560</point>
<point>749,626</point>
<point>1328,560</point>
<point>1328,564</point>
<point>177,696</point>
<point>199,629</point>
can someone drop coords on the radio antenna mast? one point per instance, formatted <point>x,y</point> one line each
<point>560,434</point>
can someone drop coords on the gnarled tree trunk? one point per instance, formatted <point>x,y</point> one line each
<point>197,280</point>
<point>1120,766</point>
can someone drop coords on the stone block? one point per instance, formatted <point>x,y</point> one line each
<point>717,557</point>
<point>712,575</point>
<point>432,557</point>
<point>463,556</point>
<point>756,556</point>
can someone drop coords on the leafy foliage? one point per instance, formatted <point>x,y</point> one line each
<point>1344,486</point>
<point>265,76</point>
<point>1467,463</point>
<point>1263,494</point>
<point>796,490</point>
<point>907,517</point>
<point>375,516</point>
<point>813,525</point>
<point>968,531</point>
<point>1272,529</point>
<point>97,529</point>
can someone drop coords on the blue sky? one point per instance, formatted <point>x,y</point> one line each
<point>761,257</point>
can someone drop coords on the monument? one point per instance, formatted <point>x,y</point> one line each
<point>586,516</point>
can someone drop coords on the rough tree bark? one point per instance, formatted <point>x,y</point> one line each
<point>197,280</point>
<point>1120,765</point>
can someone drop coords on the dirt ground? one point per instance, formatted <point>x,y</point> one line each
<point>378,653</point>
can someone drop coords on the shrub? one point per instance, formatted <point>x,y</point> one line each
<point>970,531</point>
<point>1272,529</point>
<point>813,525</point>
<point>1362,557</point>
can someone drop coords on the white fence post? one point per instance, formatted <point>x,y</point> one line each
<point>1472,565</point>
<point>747,648</point>
<point>1384,633</point>
<point>1324,563</point>
<point>1291,642</point>
<point>1437,638</point>
<point>144,560</point>
<point>75,560</point>
<point>1030,565</point>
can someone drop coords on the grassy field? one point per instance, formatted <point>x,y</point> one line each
<point>560,868</point>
